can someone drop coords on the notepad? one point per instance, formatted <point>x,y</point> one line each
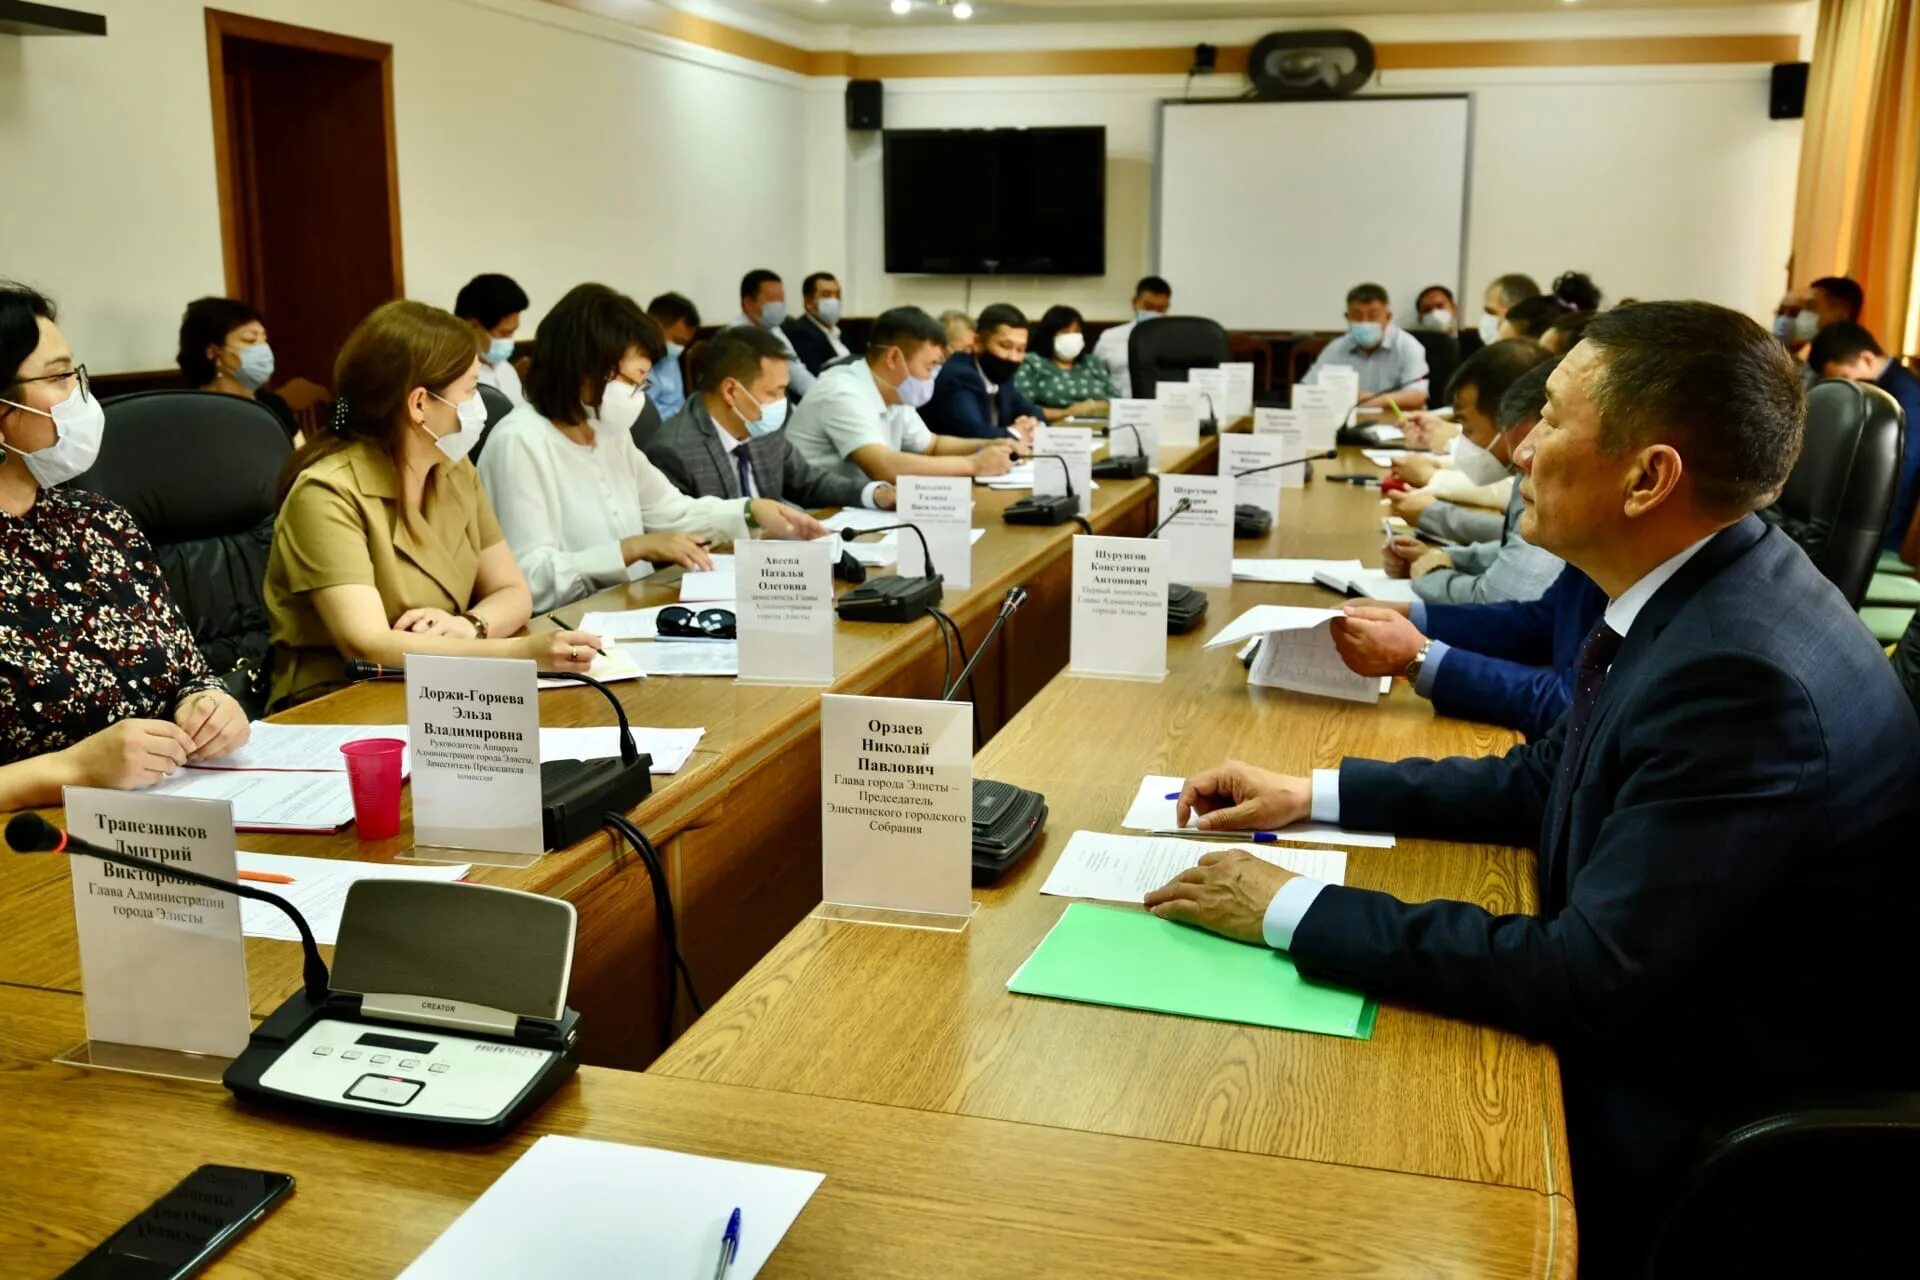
<point>1134,960</point>
<point>608,668</point>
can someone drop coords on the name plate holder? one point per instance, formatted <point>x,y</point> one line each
<point>474,724</point>
<point>896,813</point>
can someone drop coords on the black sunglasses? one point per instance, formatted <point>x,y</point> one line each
<point>708,624</point>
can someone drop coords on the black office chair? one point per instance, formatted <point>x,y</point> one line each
<point>198,471</point>
<point>1823,1190</point>
<point>1164,350</point>
<point>1836,502</point>
<point>1443,357</point>
<point>499,405</point>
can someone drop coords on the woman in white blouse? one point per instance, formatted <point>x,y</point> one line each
<point>577,499</point>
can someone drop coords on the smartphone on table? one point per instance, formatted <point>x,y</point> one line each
<point>187,1228</point>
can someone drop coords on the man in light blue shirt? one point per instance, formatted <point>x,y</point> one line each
<point>679,319</point>
<point>1391,363</point>
<point>763,302</point>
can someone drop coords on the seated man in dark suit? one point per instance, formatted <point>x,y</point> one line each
<point>1846,350</point>
<point>974,395</point>
<point>713,449</point>
<point>815,332</point>
<point>1724,817</point>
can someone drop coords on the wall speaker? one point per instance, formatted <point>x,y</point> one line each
<point>1788,99</point>
<point>863,104</point>
<point>1310,64</point>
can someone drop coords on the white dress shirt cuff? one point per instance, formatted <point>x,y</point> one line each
<point>601,566</point>
<point>1287,910</point>
<point>1326,796</point>
<point>866,494</point>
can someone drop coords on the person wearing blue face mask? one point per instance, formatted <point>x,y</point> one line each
<point>729,441</point>
<point>763,305</point>
<point>491,304</point>
<point>1152,298</point>
<point>1391,363</point>
<point>223,348</point>
<point>679,321</point>
<point>815,332</point>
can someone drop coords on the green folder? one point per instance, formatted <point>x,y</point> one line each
<point>1106,955</point>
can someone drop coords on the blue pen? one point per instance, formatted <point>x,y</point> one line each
<point>729,1246</point>
<point>1235,837</point>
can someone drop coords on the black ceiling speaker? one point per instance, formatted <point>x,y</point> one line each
<point>1310,64</point>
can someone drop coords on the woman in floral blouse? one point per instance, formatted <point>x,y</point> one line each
<point>100,683</point>
<point>1060,374</point>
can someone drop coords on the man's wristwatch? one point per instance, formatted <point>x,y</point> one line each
<point>478,623</point>
<point>1412,672</point>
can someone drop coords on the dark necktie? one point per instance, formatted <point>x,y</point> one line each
<point>745,464</point>
<point>1590,674</point>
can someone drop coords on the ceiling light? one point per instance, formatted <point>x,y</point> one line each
<point>963,10</point>
<point>903,6</point>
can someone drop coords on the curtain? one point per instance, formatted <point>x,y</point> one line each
<point>1858,206</point>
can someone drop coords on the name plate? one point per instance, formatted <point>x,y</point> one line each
<point>1133,427</point>
<point>785,610</point>
<point>1239,388</point>
<point>1239,453</point>
<point>161,961</point>
<point>474,726</point>
<point>896,814</point>
<point>1119,624</point>
<point>1074,447</point>
<point>942,506</point>
<point>1285,426</point>
<point>1179,413</point>
<point>1343,384</point>
<point>1210,391</point>
<point>1318,416</point>
<point>1200,538</point>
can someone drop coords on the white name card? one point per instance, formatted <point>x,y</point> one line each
<point>1344,384</point>
<point>1201,537</point>
<point>1318,416</point>
<point>161,961</point>
<point>1240,452</point>
<point>1179,413</point>
<point>784,610</point>
<point>1210,393</point>
<point>1284,426</point>
<point>1119,624</point>
<point>896,813</point>
<point>1239,388</point>
<point>474,726</point>
<point>1074,447</point>
<point>942,506</point>
<point>1133,426</point>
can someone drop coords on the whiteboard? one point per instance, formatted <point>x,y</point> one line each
<point>1268,212</point>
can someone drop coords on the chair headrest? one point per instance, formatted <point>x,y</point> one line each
<point>189,464</point>
<point>499,405</point>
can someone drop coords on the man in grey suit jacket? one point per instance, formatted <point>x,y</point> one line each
<point>713,448</point>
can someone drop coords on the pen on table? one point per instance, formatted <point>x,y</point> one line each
<point>555,619</point>
<point>729,1246</point>
<point>1235,837</point>
<point>263,877</point>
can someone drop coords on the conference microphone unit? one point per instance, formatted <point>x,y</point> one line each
<point>1209,425</point>
<point>1006,819</point>
<point>31,833</point>
<point>891,597</point>
<point>1186,605</point>
<point>1052,509</point>
<point>1250,521</point>
<point>1126,466</point>
<point>575,795</point>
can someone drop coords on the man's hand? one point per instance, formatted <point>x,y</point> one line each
<point>1238,797</point>
<point>1376,642</point>
<point>1409,503</point>
<point>885,497</point>
<point>783,521</point>
<point>1398,555</point>
<point>1435,558</point>
<point>1417,469</point>
<point>1228,893</point>
<point>1024,426</point>
<point>994,460</point>
<point>215,721</point>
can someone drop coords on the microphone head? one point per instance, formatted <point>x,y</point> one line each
<point>848,535</point>
<point>1331,453</point>
<point>361,669</point>
<point>31,833</point>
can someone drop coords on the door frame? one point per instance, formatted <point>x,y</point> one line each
<point>221,24</point>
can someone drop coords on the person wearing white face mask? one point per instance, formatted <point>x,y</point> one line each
<point>101,683</point>
<point>386,544</point>
<point>579,502</point>
<point>679,322</point>
<point>223,347</point>
<point>1059,374</point>
<point>862,420</point>
<point>491,303</point>
<point>1436,309</point>
<point>1500,297</point>
<point>763,304</point>
<point>1390,362</point>
<point>815,332</point>
<point>730,441</point>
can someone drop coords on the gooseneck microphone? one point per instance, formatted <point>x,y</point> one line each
<point>1180,508</point>
<point>1123,466</point>
<point>848,535</point>
<point>1290,462</point>
<point>893,597</point>
<point>31,833</point>
<point>1015,598</point>
<point>1051,508</point>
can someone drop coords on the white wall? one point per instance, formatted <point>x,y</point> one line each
<point>551,145</point>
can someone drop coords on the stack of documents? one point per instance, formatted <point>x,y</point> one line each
<point>271,799</point>
<point>687,657</point>
<point>605,1211</point>
<point>1373,584</point>
<point>1296,652</point>
<point>1299,572</point>
<point>1126,868</point>
<point>318,889</point>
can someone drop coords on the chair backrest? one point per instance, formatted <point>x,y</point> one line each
<point>1164,350</point>
<point>499,405</point>
<point>197,470</point>
<point>1842,488</point>
<point>1443,357</point>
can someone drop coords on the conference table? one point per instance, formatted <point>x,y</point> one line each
<point>964,1130</point>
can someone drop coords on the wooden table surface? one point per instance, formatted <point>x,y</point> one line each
<point>907,1193</point>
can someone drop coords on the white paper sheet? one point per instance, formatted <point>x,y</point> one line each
<point>270,800</point>
<point>1125,868</point>
<point>668,747</point>
<point>1383,457</point>
<point>606,1211</point>
<point>1299,572</point>
<point>1306,661</point>
<point>609,668</point>
<point>708,584</point>
<point>859,518</point>
<point>319,891</point>
<point>624,624</point>
<point>886,550</point>
<point>1263,618</point>
<point>305,748</point>
<point>687,657</point>
<point>1374,584</point>
<point>1152,810</point>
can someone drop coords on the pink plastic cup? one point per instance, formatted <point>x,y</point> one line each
<point>373,773</point>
